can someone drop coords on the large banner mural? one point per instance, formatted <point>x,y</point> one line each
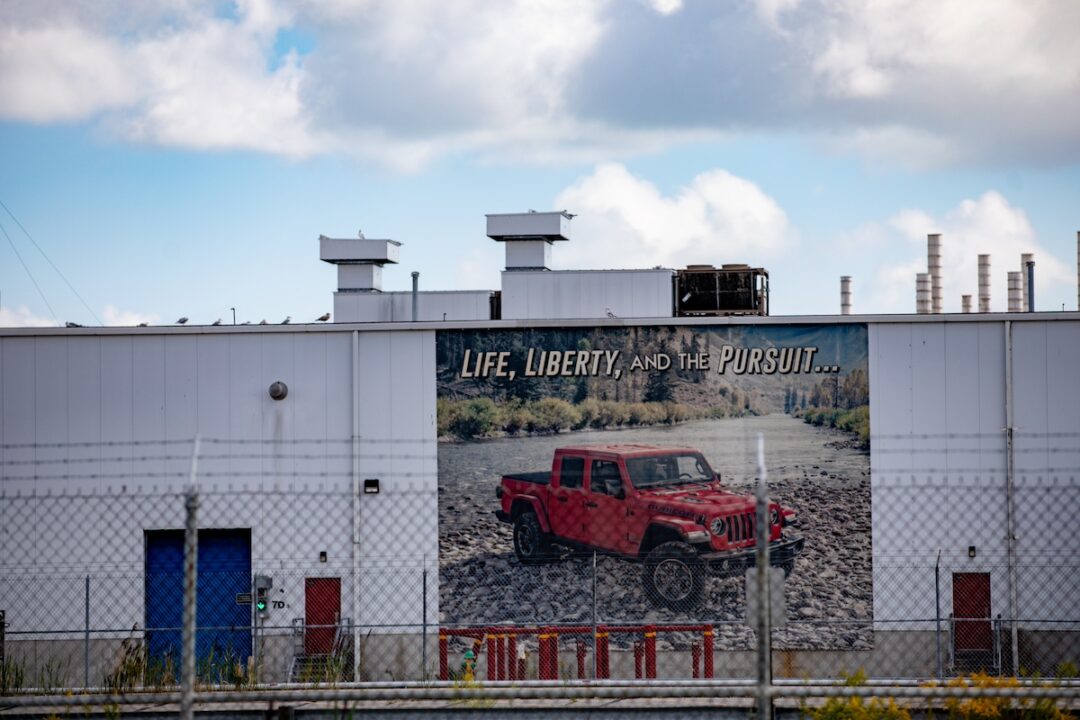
<point>606,474</point>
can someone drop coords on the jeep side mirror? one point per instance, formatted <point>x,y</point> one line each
<point>620,494</point>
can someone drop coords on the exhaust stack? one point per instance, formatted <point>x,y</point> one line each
<point>984,282</point>
<point>845,294</point>
<point>965,303</point>
<point>933,266</point>
<point>922,293</point>
<point>1015,290</point>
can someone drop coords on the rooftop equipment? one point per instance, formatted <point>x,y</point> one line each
<point>734,289</point>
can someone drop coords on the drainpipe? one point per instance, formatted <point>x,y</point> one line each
<point>415,289</point>
<point>356,503</point>
<point>1010,498</point>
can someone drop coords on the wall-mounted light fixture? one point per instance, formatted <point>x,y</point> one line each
<point>971,551</point>
<point>322,556</point>
<point>371,486</point>
<point>278,390</point>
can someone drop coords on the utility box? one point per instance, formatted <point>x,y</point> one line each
<point>703,290</point>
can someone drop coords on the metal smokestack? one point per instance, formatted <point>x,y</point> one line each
<point>1015,288</point>
<point>1029,296</point>
<point>933,266</point>
<point>965,303</point>
<point>845,294</point>
<point>415,294</point>
<point>1025,258</point>
<point>922,293</point>
<point>984,283</point>
<point>1078,269</point>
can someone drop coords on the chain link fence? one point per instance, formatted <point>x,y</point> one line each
<point>931,575</point>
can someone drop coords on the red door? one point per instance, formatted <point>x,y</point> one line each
<point>322,610</point>
<point>971,611</point>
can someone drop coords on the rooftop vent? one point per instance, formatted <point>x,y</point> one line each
<point>528,236</point>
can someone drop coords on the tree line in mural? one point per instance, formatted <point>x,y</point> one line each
<point>839,403</point>
<point>483,406</point>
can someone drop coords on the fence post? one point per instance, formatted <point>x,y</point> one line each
<point>423,633</point>
<point>3,663</point>
<point>764,678</point>
<point>191,564</point>
<point>596,649</point>
<point>937,611</point>
<point>86,635</point>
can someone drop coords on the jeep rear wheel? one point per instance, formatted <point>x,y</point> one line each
<point>674,576</point>
<point>530,543</point>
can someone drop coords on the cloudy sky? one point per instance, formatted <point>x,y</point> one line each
<point>182,157</point>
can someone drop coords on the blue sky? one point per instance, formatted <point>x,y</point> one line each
<point>180,159</point>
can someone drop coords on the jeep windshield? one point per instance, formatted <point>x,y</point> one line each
<point>669,470</point>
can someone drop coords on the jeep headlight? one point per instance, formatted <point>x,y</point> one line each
<point>718,526</point>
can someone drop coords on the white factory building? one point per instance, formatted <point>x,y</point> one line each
<point>975,461</point>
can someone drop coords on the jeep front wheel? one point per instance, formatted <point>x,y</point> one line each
<point>530,544</point>
<point>674,576</point>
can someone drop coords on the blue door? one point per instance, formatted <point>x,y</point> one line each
<point>223,623</point>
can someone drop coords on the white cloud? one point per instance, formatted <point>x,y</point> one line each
<point>988,224</point>
<point>666,7</point>
<point>922,83</point>
<point>61,73</point>
<point>626,221</point>
<point>115,316</point>
<point>23,317</point>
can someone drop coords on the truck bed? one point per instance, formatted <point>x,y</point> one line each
<point>537,478</point>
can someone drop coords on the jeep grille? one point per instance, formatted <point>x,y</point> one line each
<point>740,527</point>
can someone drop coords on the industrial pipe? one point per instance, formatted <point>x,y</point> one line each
<point>415,294</point>
<point>1025,258</point>
<point>845,294</point>
<point>1029,296</point>
<point>965,303</point>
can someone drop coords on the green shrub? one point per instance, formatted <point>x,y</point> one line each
<point>550,415</point>
<point>474,418</point>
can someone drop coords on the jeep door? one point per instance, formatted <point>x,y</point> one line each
<point>605,506</point>
<point>566,511</point>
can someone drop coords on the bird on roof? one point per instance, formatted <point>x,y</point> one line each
<point>323,318</point>
<point>181,321</point>
<point>246,322</point>
<point>263,322</point>
<point>287,320</point>
<point>142,324</point>
<point>609,313</point>
<point>216,322</point>
<point>72,324</point>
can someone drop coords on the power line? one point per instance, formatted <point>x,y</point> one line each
<point>27,269</point>
<point>53,265</point>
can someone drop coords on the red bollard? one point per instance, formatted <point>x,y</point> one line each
<point>549,656</point>
<point>602,663</point>
<point>520,668</point>
<point>708,652</point>
<point>695,660</point>
<point>490,656</point>
<point>580,659</point>
<point>444,657</point>
<point>650,653</point>
<point>500,658</point>
<point>511,656</point>
<point>638,652</point>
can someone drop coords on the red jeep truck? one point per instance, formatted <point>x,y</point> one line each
<point>661,504</point>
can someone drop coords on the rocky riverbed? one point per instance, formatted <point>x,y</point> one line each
<point>818,472</point>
